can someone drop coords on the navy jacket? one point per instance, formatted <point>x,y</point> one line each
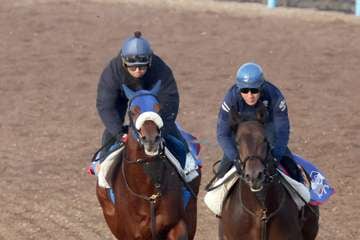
<point>112,103</point>
<point>277,125</point>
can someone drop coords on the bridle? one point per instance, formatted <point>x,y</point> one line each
<point>153,168</point>
<point>153,198</point>
<point>134,131</point>
<point>269,163</point>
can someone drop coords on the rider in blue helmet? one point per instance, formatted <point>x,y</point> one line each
<point>136,51</point>
<point>250,75</point>
<point>250,90</point>
<point>137,67</point>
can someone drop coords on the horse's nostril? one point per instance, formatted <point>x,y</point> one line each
<point>247,177</point>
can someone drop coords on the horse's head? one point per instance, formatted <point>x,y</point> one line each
<point>145,121</point>
<point>255,164</point>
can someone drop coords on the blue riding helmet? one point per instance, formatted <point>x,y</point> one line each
<point>136,51</point>
<point>249,75</point>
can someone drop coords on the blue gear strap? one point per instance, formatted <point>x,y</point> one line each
<point>186,196</point>
<point>111,195</point>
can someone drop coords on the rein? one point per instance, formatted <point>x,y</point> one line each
<point>264,217</point>
<point>154,197</point>
<point>151,199</point>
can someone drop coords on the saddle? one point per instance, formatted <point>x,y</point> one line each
<point>184,162</point>
<point>218,191</point>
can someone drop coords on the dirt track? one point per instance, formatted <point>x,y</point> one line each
<point>51,58</point>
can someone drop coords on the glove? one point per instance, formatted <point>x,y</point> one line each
<point>121,138</point>
<point>278,152</point>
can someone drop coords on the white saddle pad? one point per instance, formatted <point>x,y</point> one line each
<point>300,188</point>
<point>189,172</point>
<point>106,168</point>
<point>214,198</point>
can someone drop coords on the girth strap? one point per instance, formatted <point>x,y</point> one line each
<point>153,219</point>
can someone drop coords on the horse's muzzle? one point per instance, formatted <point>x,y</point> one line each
<point>152,147</point>
<point>255,180</point>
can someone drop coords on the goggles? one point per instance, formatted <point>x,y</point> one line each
<point>251,90</point>
<point>136,60</point>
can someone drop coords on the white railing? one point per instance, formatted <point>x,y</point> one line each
<point>273,3</point>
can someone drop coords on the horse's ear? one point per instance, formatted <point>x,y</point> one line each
<point>128,92</point>
<point>156,88</point>
<point>261,113</point>
<point>235,119</point>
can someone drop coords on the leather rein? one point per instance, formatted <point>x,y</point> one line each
<point>265,216</point>
<point>160,157</point>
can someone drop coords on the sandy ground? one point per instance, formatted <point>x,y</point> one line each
<point>52,53</point>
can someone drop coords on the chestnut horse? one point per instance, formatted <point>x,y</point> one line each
<point>258,206</point>
<point>148,192</point>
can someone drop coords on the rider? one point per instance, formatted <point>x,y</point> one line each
<point>137,67</point>
<point>250,89</point>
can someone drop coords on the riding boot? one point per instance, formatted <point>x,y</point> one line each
<point>224,167</point>
<point>291,167</point>
<point>110,143</point>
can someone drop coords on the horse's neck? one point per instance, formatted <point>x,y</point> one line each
<point>133,146</point>
<point>275,195</point>
<point>133,153</point>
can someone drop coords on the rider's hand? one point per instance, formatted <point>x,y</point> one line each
<point>119,137</point>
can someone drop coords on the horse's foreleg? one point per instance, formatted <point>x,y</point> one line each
<point>106,204</point>
<point>311,223</point>
<point>179,232</point>
<point>220,230</point>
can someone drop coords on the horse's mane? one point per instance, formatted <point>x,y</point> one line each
<point>260,115</point>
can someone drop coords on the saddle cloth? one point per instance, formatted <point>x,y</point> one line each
<point>214,199</point>
<point>104,170</point>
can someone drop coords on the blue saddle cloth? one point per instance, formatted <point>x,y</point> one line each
<point>320,190</point>
<point>177,148</point>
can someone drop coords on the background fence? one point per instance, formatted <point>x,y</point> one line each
<point>347,6</point>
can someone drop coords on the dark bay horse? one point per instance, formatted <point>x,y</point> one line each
<point>149,201</point>
<point>258,206</point>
